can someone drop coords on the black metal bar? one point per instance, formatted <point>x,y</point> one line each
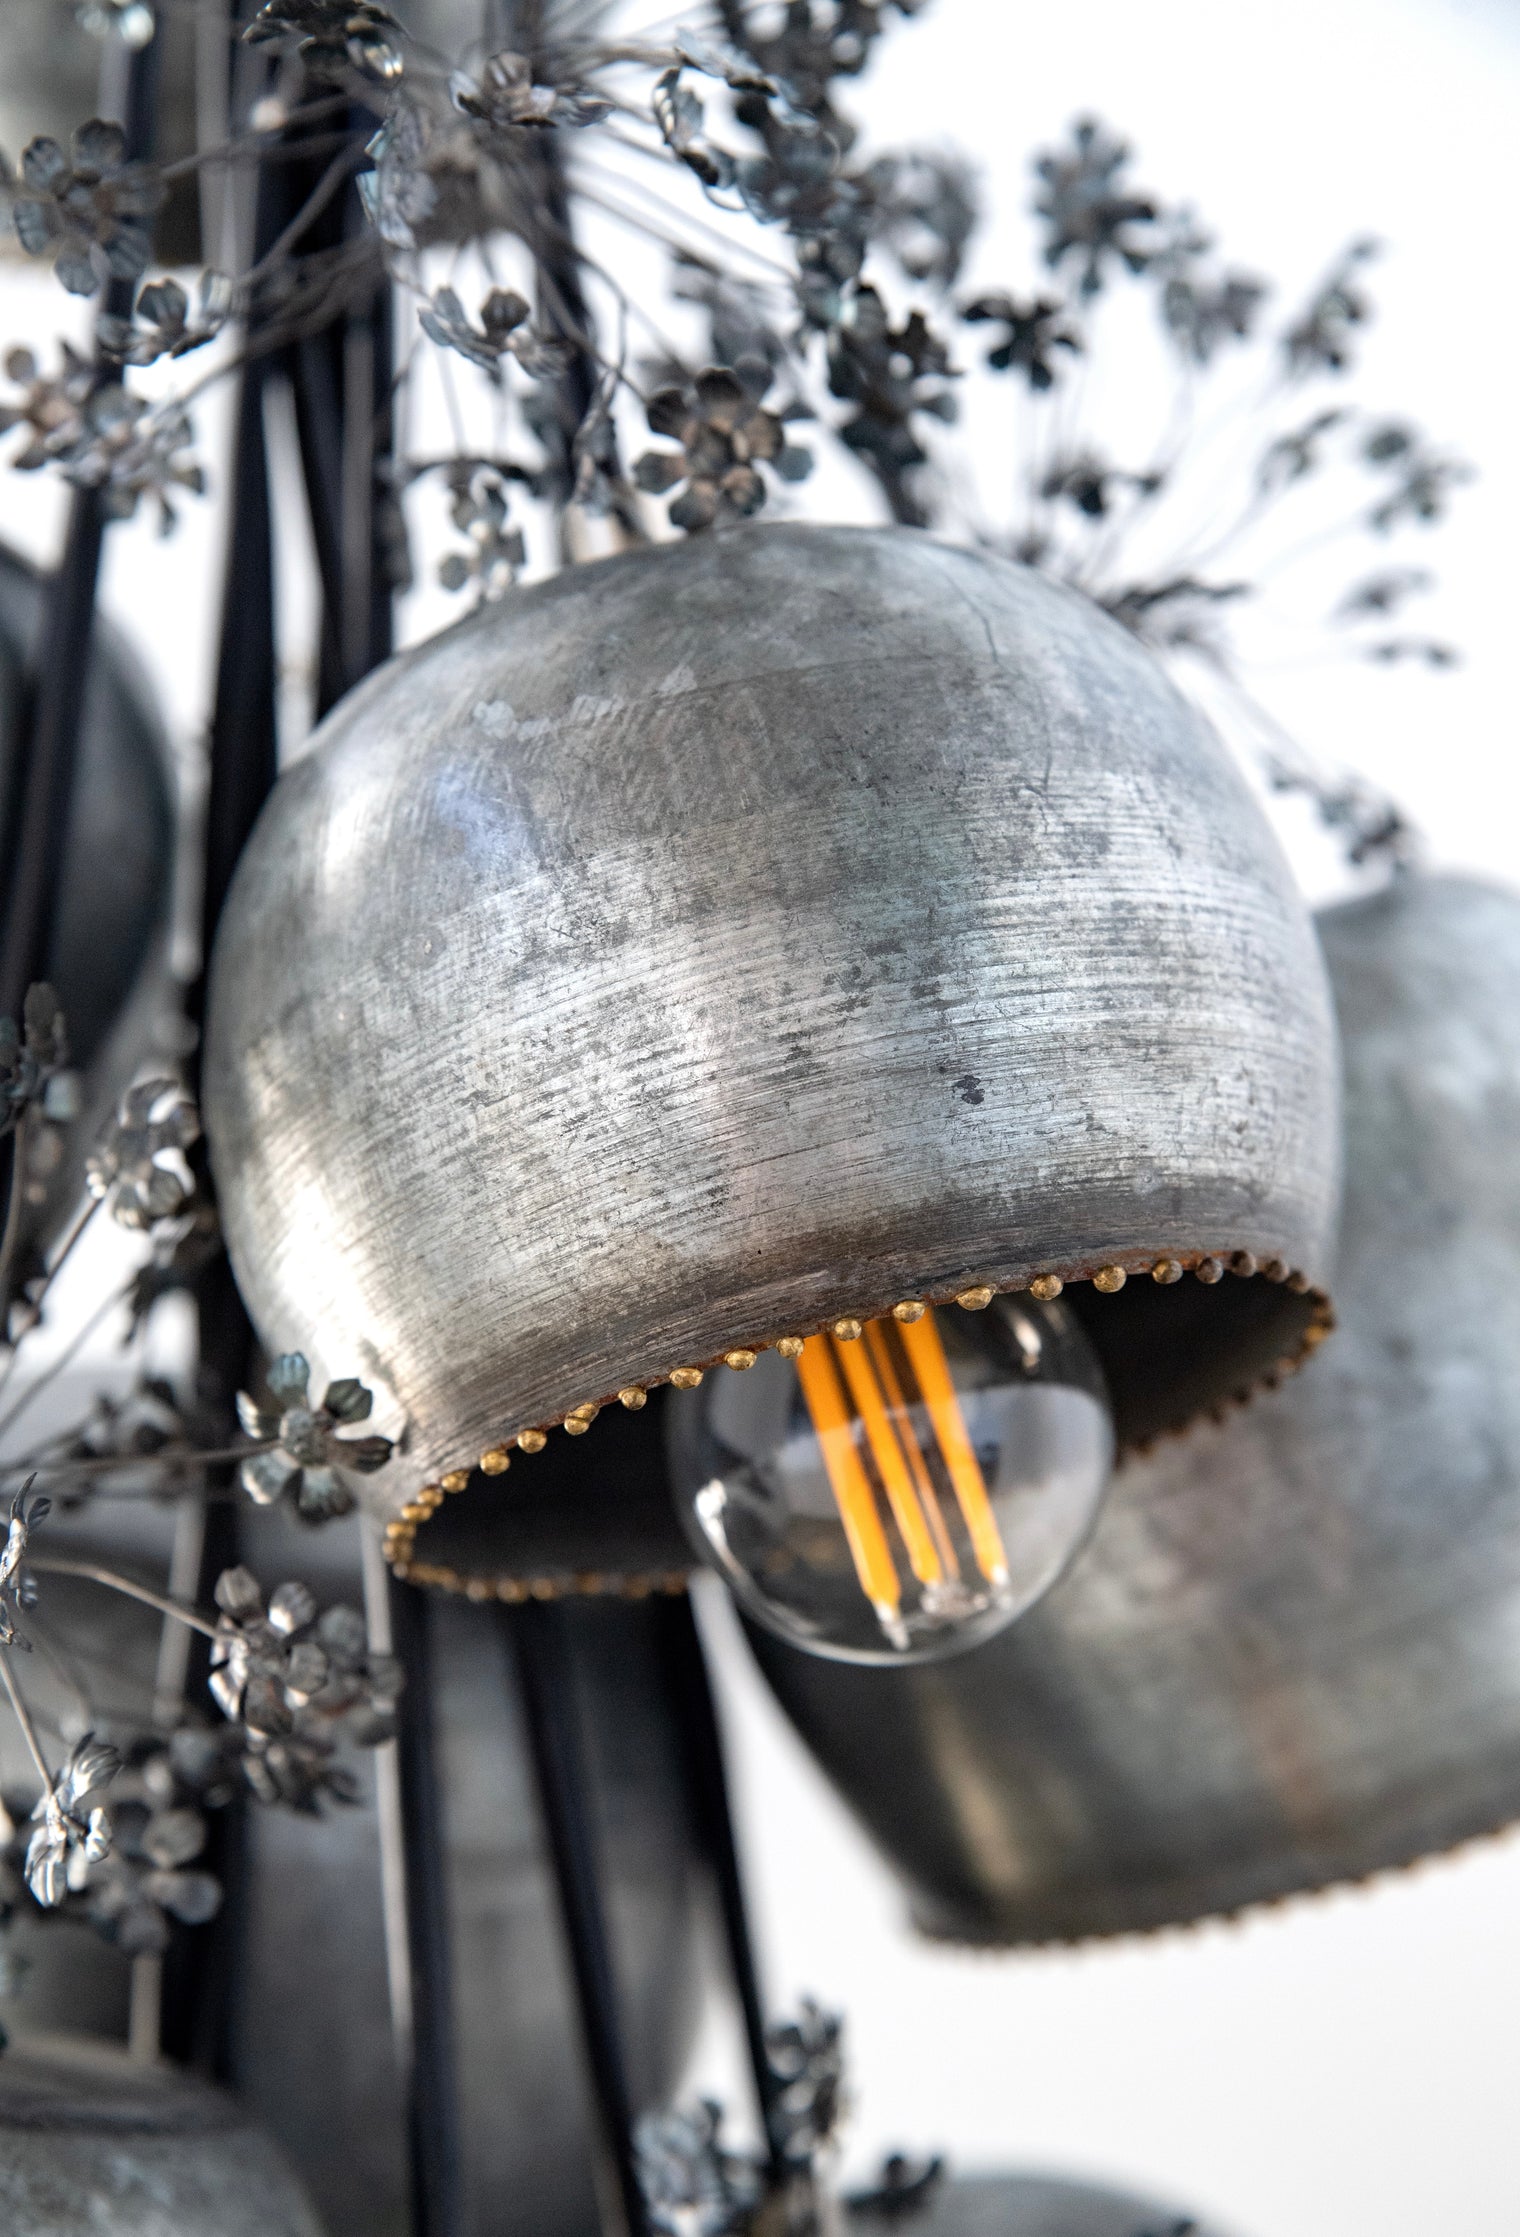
<point>546,1672</point>
<point>691,1697</point>
<point>204,1969</point>
<point>433,2100</point>
<point>60,668</point>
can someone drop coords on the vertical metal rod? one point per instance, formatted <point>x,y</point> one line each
<point>60,671</point>
<point>437,2191</point>
<point>690,1692</point>
<point>546,1674</point>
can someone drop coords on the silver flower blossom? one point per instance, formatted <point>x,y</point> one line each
<point>15,1587</point>
<point>137,1167</point>
<point>307,1449</point>
<point>69,1838</point>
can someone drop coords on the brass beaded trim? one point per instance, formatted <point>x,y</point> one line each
<point>1206,1266</point>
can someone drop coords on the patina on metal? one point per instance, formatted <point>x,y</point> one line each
<point>1286,1658</point>
<point>108,959</point>
<point>712,944</point>
<point>1027,2206</point>
<point>90,2139</point>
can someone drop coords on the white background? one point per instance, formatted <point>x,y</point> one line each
<point>1346,2064</point>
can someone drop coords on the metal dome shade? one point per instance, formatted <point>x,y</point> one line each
<point>729,941</point>
<point>1286,1657</point>
<point>1027,2206</point>
<point>109,951</point>
<point>90,2139</point>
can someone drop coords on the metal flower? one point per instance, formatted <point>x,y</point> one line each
<point>399,194</point>
<point>32,1059</point>
<point>132,1895</point>
<point>130,21</point>
<point>161,324</point>
<point>680,114</point>
<point>904,2188</point>
<point>1032,332</point>
<point>16,1590</point>
<point>90,212</point>
<point>725,434</point>
<point>1090,214</point>
<point>51,406</point>
<point>693,2185</point>
<point>137,1167</point>
<point>479,511</point>
<point>68,1837</point>
<point>923,211</point>
<point>1201,309</point>
<point>307,1449</point>
<point>296,1685</point>
<point>334,37</point>
<point>890,374</point>
<point>807,2057</point>
<point>1319,340</point>
<point>502,330</point>
<point>503,95</point>
<point>130,450</point>
<point>1422,479</point>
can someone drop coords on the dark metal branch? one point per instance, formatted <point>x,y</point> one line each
<point>690,1692</point>
<point>437,2190</point>
<point>546,1671</point>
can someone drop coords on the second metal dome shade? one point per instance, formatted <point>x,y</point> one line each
<point>1287,1656</point>
<point>707,946</point>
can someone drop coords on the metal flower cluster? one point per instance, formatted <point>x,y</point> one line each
<point>90,210</point>
<point>298,1686</point>
<point>303,1451</point>
<point>696,2185</point>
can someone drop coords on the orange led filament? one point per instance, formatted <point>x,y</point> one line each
<point>855,1397</point>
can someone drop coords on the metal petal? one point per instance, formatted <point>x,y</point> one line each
<point>266,1477</point>
<point>658,471</point>
<point>288,1378</point>
<point>349,1400</point>
<point>292,1607</point>
<point>323,1496</point>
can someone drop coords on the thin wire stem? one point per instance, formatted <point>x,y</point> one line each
<point>24,1719</point>
<point>66,1565</point>
<point>104,1464</point>
<point>55,1367</point>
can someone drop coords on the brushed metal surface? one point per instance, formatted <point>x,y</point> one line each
<point>90,2140</point>
<point>1287,1656</point>
<point>109,952</point>
<point>710,942</point>
<point>1032,2206</point>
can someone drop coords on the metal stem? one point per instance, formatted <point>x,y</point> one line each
<point>537,1631</point>
<point>696,1716</point>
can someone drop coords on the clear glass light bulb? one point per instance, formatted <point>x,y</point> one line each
<point>904,1494</point>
